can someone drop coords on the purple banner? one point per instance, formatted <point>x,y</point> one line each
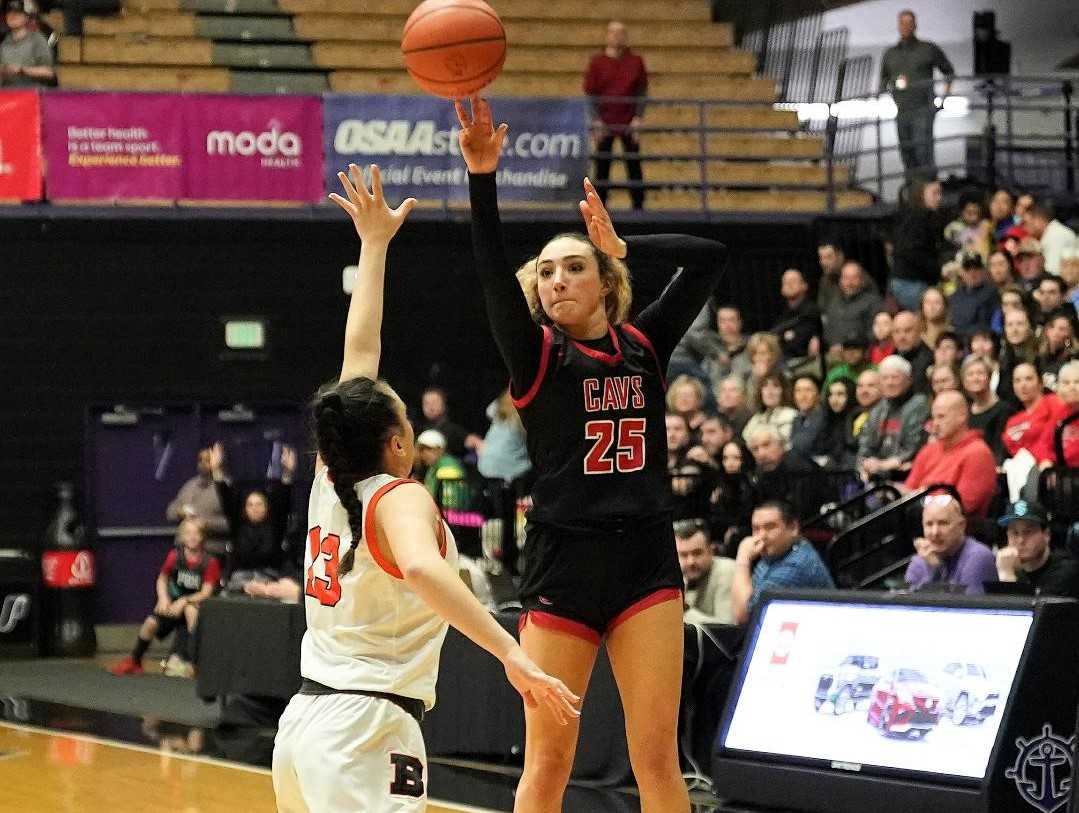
<point>253,148</point>
<point>111,146</point>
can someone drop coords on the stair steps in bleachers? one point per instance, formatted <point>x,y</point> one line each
<point>251,56</point>
<point>245,28</point>
<point>603,10</point>
<point>268,81</point>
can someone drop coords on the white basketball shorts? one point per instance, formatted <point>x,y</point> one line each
<point>347,753</point>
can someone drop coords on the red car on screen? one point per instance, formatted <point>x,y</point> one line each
<point>904,703</point>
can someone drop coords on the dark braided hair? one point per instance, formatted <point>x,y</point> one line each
<point>353,421</point>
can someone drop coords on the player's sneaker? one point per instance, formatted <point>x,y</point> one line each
<point>128,666</point>
<point>174,666</point>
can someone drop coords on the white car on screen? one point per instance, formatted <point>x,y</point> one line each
<point>967,693</point>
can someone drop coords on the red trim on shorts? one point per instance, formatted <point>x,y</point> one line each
<point>607,358</point>
<point>639,336</point>
<point>651,600</point>
<point>545,358</point>
<point>371,534</point>
<point>558,624</point>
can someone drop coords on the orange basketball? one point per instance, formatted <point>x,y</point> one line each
<point>453,48</point>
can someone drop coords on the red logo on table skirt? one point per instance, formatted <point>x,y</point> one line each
<point>785,642</point>
<point>67,568</point>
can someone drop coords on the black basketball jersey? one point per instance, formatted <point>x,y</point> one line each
<point>187,579</point>
<point>596,431</point>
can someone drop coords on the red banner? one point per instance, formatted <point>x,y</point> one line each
<point>20,145</point>
<point>67,568</point>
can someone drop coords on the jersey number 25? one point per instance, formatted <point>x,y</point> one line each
<point>325,589</point>
<point>629,456</point>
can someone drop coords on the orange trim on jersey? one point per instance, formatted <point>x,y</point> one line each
<point>558,624</point>
<point>370,532</point>
<point>609,359</point>
<point>651,600</point>
<point>545,358</point>
<point>639,336</point>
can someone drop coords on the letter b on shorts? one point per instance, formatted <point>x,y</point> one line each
<point>407,776</point>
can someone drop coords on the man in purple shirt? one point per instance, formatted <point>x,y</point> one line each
<point>946,555</point>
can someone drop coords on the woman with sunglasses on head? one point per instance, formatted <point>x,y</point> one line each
<point>589,385</point>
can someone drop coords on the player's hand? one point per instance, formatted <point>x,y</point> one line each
<point>375,222</point>
<point>598,223</point>
<point>538,688</point>
<point>481,143</point>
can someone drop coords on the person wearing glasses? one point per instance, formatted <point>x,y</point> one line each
<point>946,555</point>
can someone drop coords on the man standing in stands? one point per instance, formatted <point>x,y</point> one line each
<point>618,74</point>
<point>907,72</point>
<point>946,555</point>
<point>800,323</point>
<point>1055,238</point>
<point>957,456</point>
<point>25,57</point>
<point>198,499</point>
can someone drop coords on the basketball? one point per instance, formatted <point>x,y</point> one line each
<point>453,48</point>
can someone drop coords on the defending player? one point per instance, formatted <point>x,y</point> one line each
<point>601,558</point>
<point>380,583</point>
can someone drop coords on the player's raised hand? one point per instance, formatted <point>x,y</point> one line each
<point>597,220</point>
<point>481,143</point>
<point>375,221</point>
<point>538,688</point>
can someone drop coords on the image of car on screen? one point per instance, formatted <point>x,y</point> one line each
<point>904,703</point>
<point>967,694</point>
<point>839,690</point>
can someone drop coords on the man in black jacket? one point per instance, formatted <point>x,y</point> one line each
<point>800,322</point>
<point>907,336</point>
<point>1027,558</point>
<point>974,302</point>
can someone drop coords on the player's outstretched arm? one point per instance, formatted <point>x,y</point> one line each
<point>407,518</point>
<point>376,224</point>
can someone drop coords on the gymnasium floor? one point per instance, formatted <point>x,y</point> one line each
<point>72,757</point>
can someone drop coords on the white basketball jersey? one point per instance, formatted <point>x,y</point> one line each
<point>368,630</point>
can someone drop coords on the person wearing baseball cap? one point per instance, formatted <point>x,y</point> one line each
<point>25,56</point>
<point>436,463</point>
<point>1028,559</point>
<point>854,359</point>
<point>1029,263</point>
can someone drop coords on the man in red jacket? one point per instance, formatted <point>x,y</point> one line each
<point>619,75</point>
<point>958,456</point>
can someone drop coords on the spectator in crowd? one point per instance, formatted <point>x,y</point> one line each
<point>1068,393</point>
<point>690,480</point>
<point>699,342</point>
<point>782,470</point>
<point>198,499</point>
<point>835,446</point>
<point>685,397</point>
<point>439,467</point>
<point>867,393</point>
<point>831,257</point>
<point>984,343</point>
<point>1029,264</point>
<point>436,416</point>
<point>852,360</point>
<point>733,496</point>
<point>25,57</point>
<point>852,311</point>
<point>945,554</point>
<point>1050,297</point>
<point>765,357</point>
<point>1028,559</point>
<point>188,577</point>
<point>707,577</point>
<point>775,407</point>
<point>1001,269</point>
<point>1032,427</point>
<point>1040,221</point>
<point>1013,297</point>
<point>944,377</point>
<point>988,414</point>
<point>895,429</point>
<point>907,335</point>
<point>776,556</point>
<point>882,345</point>
<point>800,322</point>
<point>947,350</point>
<point>1069,272</point>
<point>805,393</point>
<point>975,300</point>
<point>1056,346</point>
<point>933,308</point>
<point>957,456</point>
<point>906,71</point>
<point>732,402</point>
<point>1022,206</point>
<point>730,354</point>
<point>918,245</point>
<point>503,454</point>
<point>257,520</point>
<point>971,232</point>
<point>1002,213</point>
<point>617,84</point>
<point>715,432</point>
<point>1020,346</point>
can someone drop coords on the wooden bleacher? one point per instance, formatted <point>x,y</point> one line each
<point>761,162</point>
